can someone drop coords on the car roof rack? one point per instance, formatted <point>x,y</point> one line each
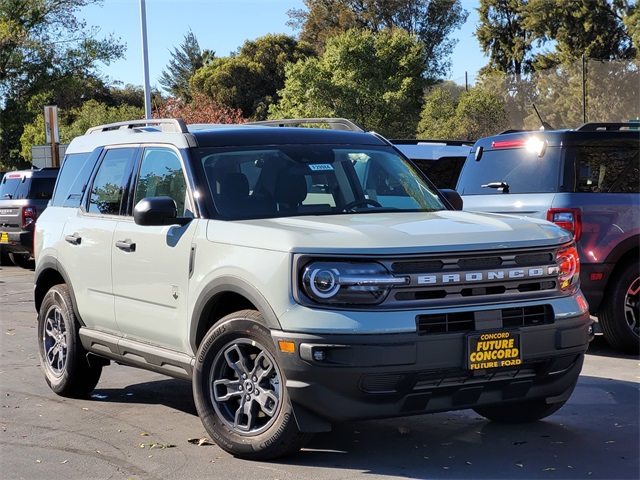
<point>333,123</point>
<point>175,125</point>
<point>607,126</point>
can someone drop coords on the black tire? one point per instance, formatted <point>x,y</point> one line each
<point>21,260</point>
<point>62,356</point>
<point>618,313</point>
<point>239,390</point>
<point>520,412</point>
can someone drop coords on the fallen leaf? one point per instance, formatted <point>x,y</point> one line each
<point>519,465</point>
<point>144,434</point>
<point>200,441</point>
<point>548,469</point>
<point>64,461</point>
<point>519,443</point>
<point>610,441</point>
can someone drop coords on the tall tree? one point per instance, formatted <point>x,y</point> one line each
<point>43,48</point>
<point>432,21</point>
<point>184,63</point>
<point>372,78</point>
<point>250,79</point>
<point>503,37</point>
<point>589,28</point>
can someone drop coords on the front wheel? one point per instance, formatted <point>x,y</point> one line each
<point>240,393</point>
<point>62,356</point>
<point>521,412</point>
<point>619,313</point>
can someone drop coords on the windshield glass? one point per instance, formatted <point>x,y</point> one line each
<point>291,180</point>
<point>518,170</point>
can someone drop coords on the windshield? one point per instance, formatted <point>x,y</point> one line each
<point>517,170</point>
<point>290,180</point>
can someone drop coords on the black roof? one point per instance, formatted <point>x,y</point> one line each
<point>256,135</point>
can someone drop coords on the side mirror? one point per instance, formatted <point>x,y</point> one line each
<point>452,197</point>
<point>157,211</point>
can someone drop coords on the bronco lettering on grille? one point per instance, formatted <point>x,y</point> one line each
<point>487,275</point>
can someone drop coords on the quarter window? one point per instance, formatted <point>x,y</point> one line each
<point>607,170</point>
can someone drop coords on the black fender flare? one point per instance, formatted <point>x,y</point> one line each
<point>230,284</point>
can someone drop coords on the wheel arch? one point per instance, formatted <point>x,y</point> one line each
<point>625,252</point>
<point>49,273</point>
<point>227,295</point>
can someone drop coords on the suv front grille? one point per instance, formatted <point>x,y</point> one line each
<point>459,280</point>
<point>466,321</point>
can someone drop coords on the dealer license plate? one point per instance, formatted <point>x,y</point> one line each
<point>4,237</point>
<point>493,350</point>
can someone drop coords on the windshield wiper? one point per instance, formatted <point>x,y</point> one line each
<point>503,186</point>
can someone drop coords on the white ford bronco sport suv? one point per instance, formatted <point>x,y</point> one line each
<point>298,277</point>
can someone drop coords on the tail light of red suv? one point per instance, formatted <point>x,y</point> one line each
<point>568,218</point>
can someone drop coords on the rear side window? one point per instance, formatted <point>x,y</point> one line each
<point>606,169</point>
<point>72,180</point>
<point>520,169</point>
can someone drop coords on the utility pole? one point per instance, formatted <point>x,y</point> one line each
<point>145,60</point>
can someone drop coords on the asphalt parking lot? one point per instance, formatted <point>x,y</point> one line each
<point>141,425</point>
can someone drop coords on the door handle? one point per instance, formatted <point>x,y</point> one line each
<point>73,239</point>
<point>126,245</point>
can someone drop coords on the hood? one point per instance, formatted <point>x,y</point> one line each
<point>389,233</point>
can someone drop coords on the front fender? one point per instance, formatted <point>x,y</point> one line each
<point>228,284</point>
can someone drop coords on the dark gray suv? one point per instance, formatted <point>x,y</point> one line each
<point>585,180</point>
<point>23,196</point>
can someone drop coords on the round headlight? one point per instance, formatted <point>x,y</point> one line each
<point>323,282</point>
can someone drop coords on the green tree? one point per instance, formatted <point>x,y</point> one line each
<point>373,79</point>
<point>43,48</point>
<point>432,21</point>
<point>581,28</point>
<point>250,79</point>
<point>472,115</point>
<point>185,61</point>
<point>503,37</point>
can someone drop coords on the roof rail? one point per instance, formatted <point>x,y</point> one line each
<point>176,125</point>
<point>333,123</point>
<point>598,126</point>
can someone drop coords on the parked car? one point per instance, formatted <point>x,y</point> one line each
<point>585,180</point>
<point>24,195</point>
<point>440,160</point>
<point>298,277</point>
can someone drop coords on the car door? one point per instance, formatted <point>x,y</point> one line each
<point>85,252</point>
<point>151,263</point>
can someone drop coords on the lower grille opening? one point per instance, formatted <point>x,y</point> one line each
<point>439,323</point>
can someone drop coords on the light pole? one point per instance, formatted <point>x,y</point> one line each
<point>145,60</point>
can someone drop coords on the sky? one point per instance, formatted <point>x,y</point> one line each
<point>223,26</point>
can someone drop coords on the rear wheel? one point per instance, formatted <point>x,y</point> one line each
<point>240,393</point>
<point>618,313</point>
<point>62,356</point>
<point>21,260</point>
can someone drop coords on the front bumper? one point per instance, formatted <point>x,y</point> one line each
<point>388,375</point>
